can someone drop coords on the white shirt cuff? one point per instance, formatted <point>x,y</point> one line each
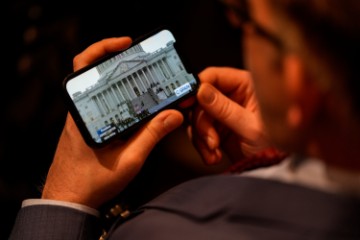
<point>83,208</point>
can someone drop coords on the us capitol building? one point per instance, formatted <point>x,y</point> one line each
<point>132,85</point>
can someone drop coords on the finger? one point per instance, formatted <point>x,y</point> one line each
<point>225,77</point>
<point>204,137</point>
<point>240,120</point>
<point>100,49</point>
<point>208,155</point>
<point>205,130</point>
<point>234,83</point>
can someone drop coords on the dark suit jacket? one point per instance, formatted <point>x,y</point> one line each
<point>212,207</point>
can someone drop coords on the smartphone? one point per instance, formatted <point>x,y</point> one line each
<point>113,97</point>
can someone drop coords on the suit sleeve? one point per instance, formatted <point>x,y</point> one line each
<point>54,222</point>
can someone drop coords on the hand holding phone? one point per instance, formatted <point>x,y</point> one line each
<point>112,97</point>
<point>93,176</point>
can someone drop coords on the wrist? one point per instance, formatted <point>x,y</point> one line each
<point>51,192</point>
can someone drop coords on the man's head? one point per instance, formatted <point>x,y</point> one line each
<point>302,55</point>
<point>329,32</point>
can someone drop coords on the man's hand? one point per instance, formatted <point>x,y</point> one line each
<point>89,176</point>
<point>227,117</point>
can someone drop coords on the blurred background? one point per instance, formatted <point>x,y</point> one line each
<point>40,39</point>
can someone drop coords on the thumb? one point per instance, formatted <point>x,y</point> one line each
<point>161,125</point>
<point>240,120</point>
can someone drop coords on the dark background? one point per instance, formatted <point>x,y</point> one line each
<point>40,38</point>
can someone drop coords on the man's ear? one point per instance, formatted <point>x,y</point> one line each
<point>303,92</point>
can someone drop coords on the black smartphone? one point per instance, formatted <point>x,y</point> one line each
<point>112,97</point>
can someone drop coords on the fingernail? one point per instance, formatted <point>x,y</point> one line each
<point>207,94</point>
<point>218,155</point>
<point>215,157</point>
<point>210,142</point>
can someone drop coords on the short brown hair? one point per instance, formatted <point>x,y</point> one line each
<point>331,28</point>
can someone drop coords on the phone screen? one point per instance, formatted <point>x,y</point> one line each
<point>115,95</point>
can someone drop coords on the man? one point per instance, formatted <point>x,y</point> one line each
<point>302,60</point>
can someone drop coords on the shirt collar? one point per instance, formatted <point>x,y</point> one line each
<point>311,172</point>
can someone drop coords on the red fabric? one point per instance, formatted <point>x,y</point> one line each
<point>267,157</point>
